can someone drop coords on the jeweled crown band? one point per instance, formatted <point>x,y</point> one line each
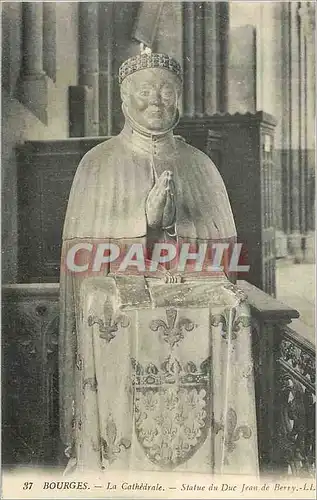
<point>151,60</point>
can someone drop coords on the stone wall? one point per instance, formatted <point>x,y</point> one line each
<point>284,87</point>
<point>19,123</point>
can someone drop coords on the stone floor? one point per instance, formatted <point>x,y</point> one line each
<point>295,286</point>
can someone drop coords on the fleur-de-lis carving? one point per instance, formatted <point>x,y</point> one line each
<point>111,447</point>
<point>111,323</point>
<point>233,432</point>
<point>172,330</point>
<point>237,322</point>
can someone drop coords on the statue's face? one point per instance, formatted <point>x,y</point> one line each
<point>152,98</point>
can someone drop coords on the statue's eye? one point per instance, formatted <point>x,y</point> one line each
<point>144,93</point>
<point>167,93</point>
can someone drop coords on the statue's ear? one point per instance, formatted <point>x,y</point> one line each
<point>179,93</point>
<point>124,92</point>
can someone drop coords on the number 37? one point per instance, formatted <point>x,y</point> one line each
<point>27,486</point>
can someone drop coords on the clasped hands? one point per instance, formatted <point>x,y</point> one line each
<point>160,203</point>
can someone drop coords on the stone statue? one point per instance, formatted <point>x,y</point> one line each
<point>144,364</point>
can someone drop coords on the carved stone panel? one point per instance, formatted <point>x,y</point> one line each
<point>30,388</point>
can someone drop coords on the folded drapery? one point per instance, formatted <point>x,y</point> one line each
<point>163,377</point>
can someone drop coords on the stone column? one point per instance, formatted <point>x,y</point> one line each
<point>205,58</point>
<point>306,127</point>
<point>199,49</point>
<point>294,237</point>
<point>49,39</point>
<point>32,39</point>
<point>89,61</point>
<point>32,86</point>
<point>286,115</point>
<point>311,115</point>
<point>194,59</point>
<point>223,55</point>
<point>106,41</point>
<point>302,122</point>
<point>210,49</point>
<point>189,59</point>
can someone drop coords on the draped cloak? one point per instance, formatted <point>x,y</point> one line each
<point>107,202</point>
<point>113,180</point>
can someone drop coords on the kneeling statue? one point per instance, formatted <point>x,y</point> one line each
<point>155,365</point>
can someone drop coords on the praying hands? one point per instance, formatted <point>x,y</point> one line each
<point>160,204</point>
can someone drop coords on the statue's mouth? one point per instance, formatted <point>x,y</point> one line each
<point>154,112</point>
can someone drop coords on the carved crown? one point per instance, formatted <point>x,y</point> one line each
<point>169,372</point>
<point>149,60</point>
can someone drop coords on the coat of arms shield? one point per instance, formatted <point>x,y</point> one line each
<point>171,409</point>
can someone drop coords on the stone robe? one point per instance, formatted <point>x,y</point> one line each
<point>112,182</point>
<point>163,377</point>
<point>107,202</point>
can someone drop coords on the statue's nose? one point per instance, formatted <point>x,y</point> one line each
<point>154,98</point>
